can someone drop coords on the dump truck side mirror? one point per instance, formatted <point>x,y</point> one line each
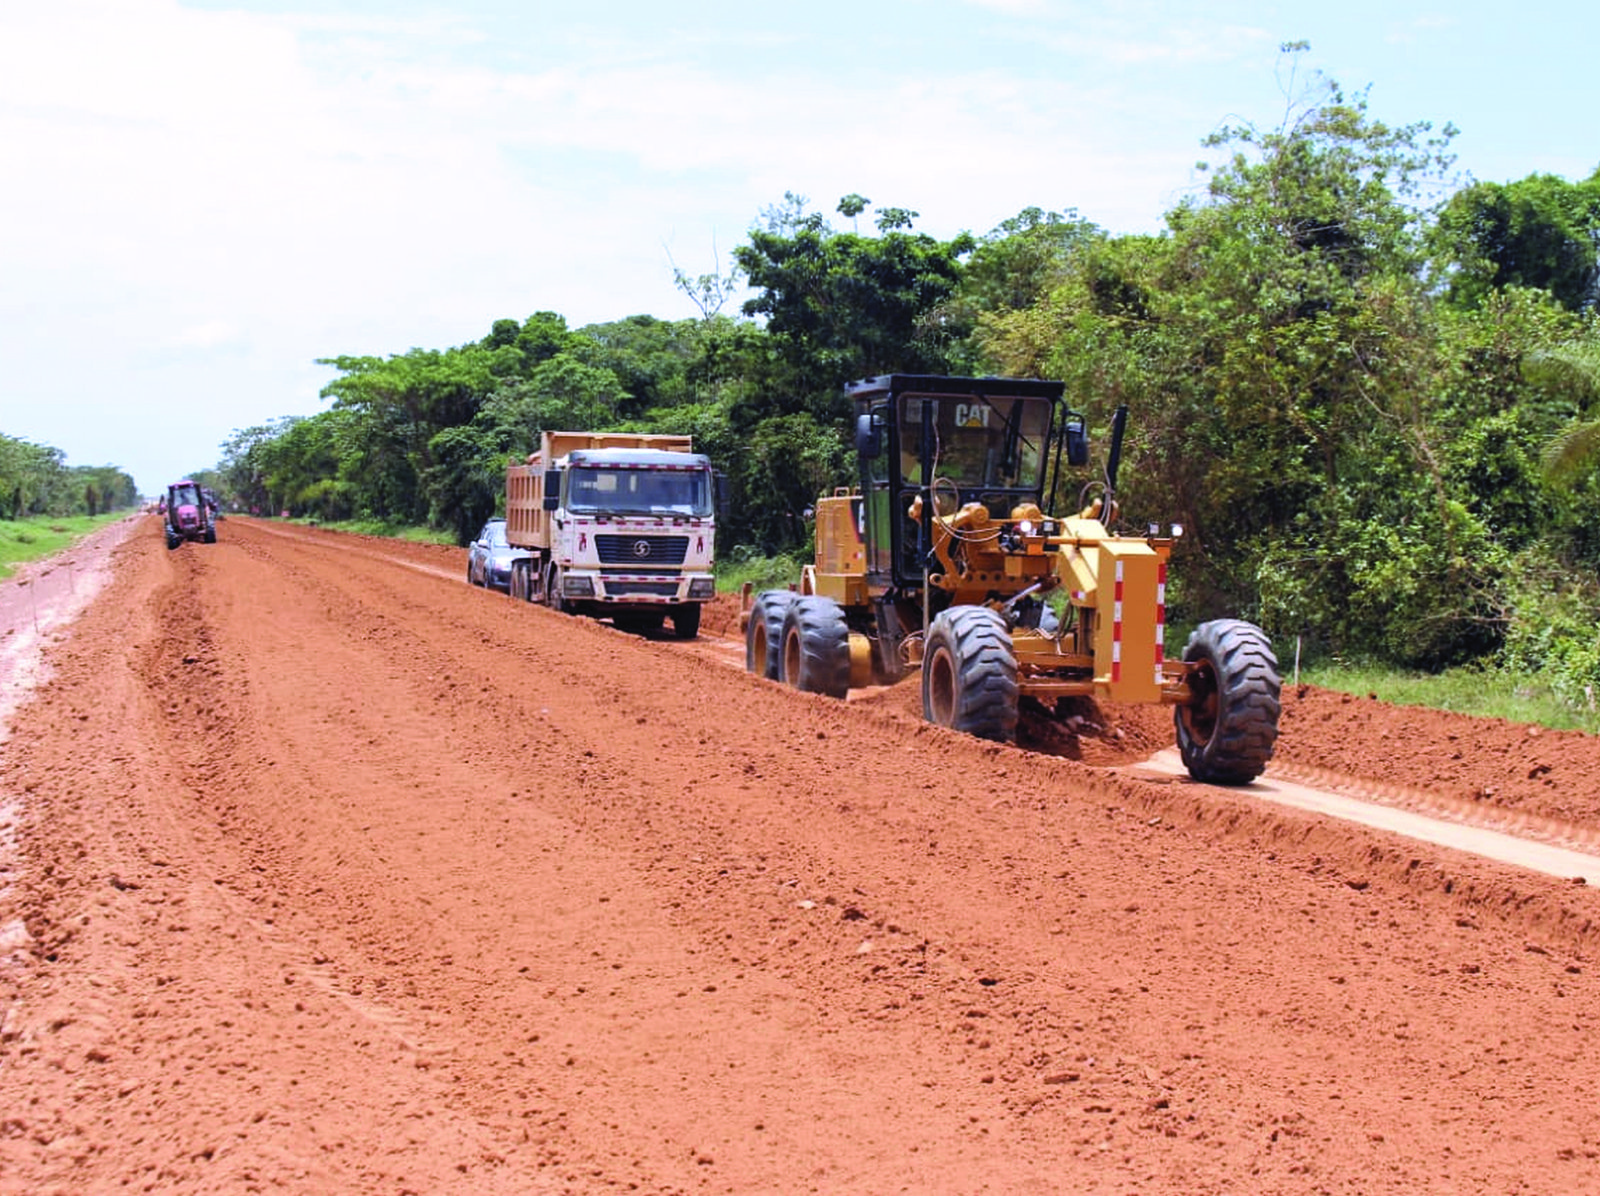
<point>552,489</point>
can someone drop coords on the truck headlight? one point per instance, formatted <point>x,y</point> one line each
<point>702,587</point>
<point>577,587</point>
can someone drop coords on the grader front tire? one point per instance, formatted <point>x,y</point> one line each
<point>1227,732</point>
<point>969,673</point>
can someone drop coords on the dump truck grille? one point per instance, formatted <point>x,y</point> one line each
<point>629,589</point>
<point>641,550</point>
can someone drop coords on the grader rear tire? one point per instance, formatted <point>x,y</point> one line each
<point>763,638</point>
<point>816,647</point>
<point>1227,732</point>
<point>969,673</point>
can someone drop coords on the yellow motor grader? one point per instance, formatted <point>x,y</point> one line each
<point>943,559</point>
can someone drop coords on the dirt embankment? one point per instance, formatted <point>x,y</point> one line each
<point>337,875</point>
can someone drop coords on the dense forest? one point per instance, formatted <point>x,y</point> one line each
<point>1369,390</point>
<point>35,480</point>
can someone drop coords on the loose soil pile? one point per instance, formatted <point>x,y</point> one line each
<point>330,874</point>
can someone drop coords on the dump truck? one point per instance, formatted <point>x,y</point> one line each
<point>943,559</point>
<point>616,525</point>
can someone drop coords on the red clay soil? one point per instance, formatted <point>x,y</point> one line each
<point>328,873</point>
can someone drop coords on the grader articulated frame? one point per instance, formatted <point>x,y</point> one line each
<point>943,559</point>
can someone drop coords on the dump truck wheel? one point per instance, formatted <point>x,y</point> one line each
<point>552,591</point>
<point>685,621</point>
<point>517,587</point>
<point>763,638</point>
<point>969,673</point>
<point>1226,732</point>
<point>816,647</point>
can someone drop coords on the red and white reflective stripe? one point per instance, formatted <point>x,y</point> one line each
<point>1116,627</point>
<point>634,524</point>
<point>638,465</point>
<point>1161,618</point>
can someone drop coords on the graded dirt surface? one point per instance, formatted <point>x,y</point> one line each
<point>327,873</point>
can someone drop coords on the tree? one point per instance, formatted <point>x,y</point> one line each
<point>839,305</point>
<point>1012,268</point>
<point>1540,232</point>
<point>1572,368</point>
<point>466,480</point>
<point>402,402</point>
<point>244,464</point>
<point>33,478</point>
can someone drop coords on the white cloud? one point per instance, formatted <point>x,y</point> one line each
<point>1015,8</point>
<point>208,335</point>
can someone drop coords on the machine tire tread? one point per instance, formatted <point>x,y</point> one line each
<point>763,636</point>
<point>816,647</point>
<point>1232,743</point>
<point>974,644</point>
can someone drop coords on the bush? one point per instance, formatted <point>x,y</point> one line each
<point>1424,592</point>
<point>1554,629</point>
<point>743,564</point>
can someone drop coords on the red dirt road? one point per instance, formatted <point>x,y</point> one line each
<point>327,873</point>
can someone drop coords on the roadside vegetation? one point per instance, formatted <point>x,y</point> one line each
<point>740,568</point>
<point>387,528</point>
<point>1483,692</point>
<point>27,540</point>
<point>35,481</point>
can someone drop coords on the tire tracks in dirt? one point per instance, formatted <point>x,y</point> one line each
<point>658,923</point>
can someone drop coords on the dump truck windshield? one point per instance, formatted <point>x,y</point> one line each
<point>978,442</point>
<point>606,490</point>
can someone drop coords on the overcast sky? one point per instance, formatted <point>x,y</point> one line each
<point>200,199</point>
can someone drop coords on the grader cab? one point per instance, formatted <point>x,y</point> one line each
<point>943,559</point>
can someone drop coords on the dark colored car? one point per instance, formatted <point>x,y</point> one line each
<point>489,557</point>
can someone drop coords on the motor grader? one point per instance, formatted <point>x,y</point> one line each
<point>943,559</point>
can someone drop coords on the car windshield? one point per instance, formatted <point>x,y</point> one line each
<point>978,441</point>
<point>494,534</point>
<point>639,491</point>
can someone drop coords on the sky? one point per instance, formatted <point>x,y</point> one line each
<point>200,199</point>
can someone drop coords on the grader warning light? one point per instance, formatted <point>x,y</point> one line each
<point>943,559</point>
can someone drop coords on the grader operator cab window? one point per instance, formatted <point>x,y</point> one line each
<point>978,443</point>
<point>979,448</point>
